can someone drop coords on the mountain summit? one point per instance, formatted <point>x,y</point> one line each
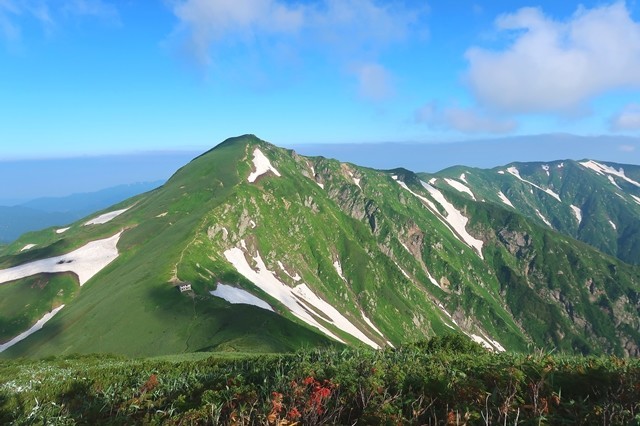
<point>250,247</point>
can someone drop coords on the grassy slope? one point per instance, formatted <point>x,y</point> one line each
<point>131,307</point>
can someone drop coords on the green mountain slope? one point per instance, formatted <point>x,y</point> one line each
<point>595,202</point>
<point>324,253</point>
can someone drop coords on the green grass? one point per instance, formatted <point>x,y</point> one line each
<point>448,380</point>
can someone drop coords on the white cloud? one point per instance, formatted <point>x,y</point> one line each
<point>374,82</point>
<point>349,33</point>
<point>48,13</point>
<point>95,8</point>
<point>465,120</point>
<point>627,120</point>
<point>207,22</point>
<point>554,66</point>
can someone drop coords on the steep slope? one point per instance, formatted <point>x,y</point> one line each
<point>281,250</point>
<point>597,203</point>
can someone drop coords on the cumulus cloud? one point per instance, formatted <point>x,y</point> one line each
<point>465,120</point>
<point>626,120</point>
<point>556,66</point>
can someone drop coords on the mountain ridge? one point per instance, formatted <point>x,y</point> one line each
<point>339,253</point>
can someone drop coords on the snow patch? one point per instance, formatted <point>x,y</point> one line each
<point>295,277</point>
<point>62,230</point>
<point>27,247</point>
<point>463,177</point>
<point>613,181</point>
<point>320,185</point>
<point>355,179</point>
<point>544,219</point>
<point>298,300</point>
<point>253,224</point>
<point>37,326</point>
<point>402,270</point>
<point>107,217</point>
<point>85,262</point>
<point>577,213</point>
<point>455,219</point>
<point>500,172</point>
<point>636,199</point>
<point>262,165</point>
<point>460,187</point>
<point>433,280</point>
<point>603,169</point>
<point>162,214</point>
<point>433,181</point>
<point>338,267</point>
<point>545,167</point>
<point>336,317</point>
<point>515,172</point>
<point>370,324</point>
<point>613,225</point>
<point>236,295</point>
<point>504,199</point>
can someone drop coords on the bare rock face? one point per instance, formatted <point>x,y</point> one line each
<point>518,243</point>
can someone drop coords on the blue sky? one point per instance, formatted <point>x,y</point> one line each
<point>88,77</point>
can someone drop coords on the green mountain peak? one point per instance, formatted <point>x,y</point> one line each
<point>275,251</point>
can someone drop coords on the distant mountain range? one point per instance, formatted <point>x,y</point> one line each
<point>251,247</point>
<point>49,211</point>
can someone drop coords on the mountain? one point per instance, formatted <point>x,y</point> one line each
<point>276,251</point>
<point>44,212</point>
<point>594,202</point>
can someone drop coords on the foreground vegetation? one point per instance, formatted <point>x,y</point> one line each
<point>447,380</point>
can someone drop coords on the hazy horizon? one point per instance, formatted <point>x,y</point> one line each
<point>56,177</point>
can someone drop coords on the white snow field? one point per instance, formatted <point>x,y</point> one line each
<point>613,225</point>
<point>460,187</point>
<point>484,340</point>
<point>544,219</point>
<point>295,277</point>
<point>262,166</point>
<point>577,213</point>
<point>85,262</point>
<point>107,217</point>
<point>236,295</point>
<point>62,230</point>
<point>636,199</point>
<point>454,220</point>
<point>37,326</point>
<point>603,169</point>
<point>515,172</point>
<point>504,199</point>
<point>28,247</point>
<point>300,300</point>
<point>338,267</point>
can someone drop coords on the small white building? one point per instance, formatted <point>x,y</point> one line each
<point>185,287</point>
